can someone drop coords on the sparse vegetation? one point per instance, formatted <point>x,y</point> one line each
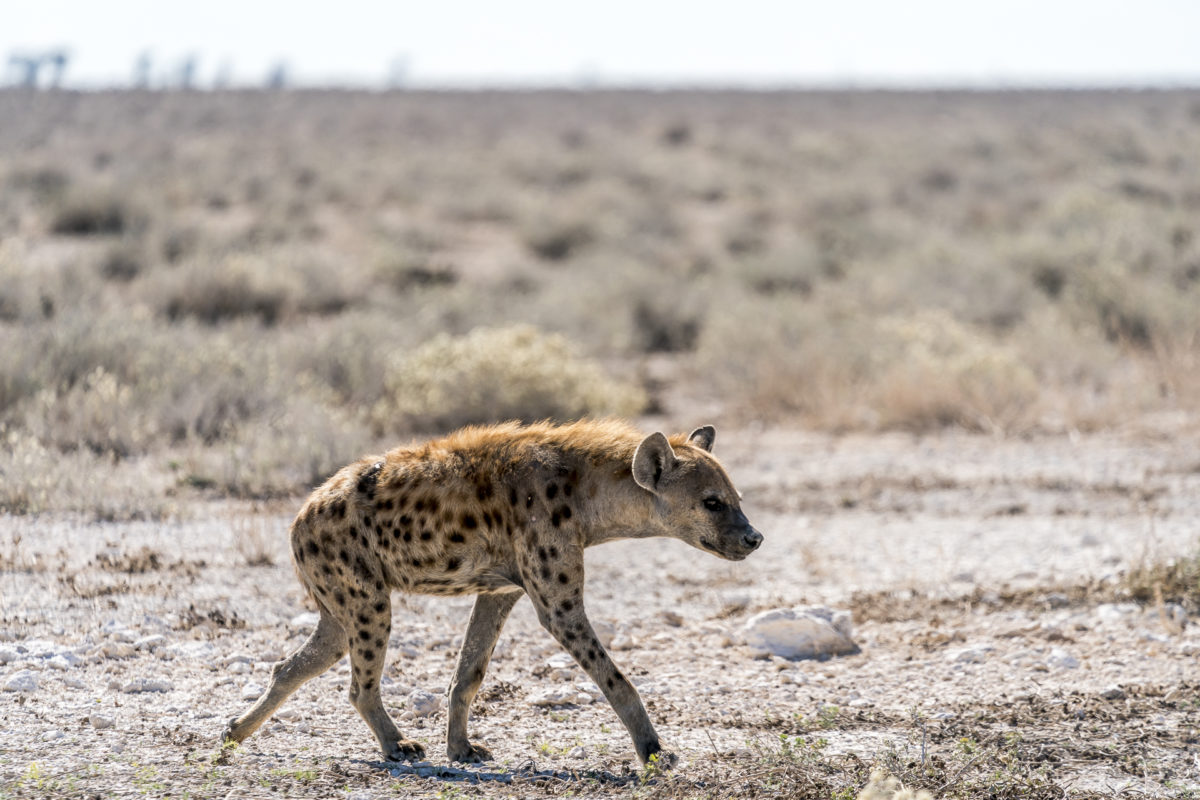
<point>264,298</point>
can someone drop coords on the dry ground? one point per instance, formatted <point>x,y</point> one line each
<point>1002,654</point>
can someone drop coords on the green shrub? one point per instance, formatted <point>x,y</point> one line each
<point>499,374</point>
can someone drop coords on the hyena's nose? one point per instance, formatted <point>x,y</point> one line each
<point>752,539</point>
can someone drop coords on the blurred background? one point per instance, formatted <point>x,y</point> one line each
<point>242,244</point>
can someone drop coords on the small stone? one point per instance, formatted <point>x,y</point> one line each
<point>252,691</point>
<point>74,683</point>
<point>970,655</point>
<point>125,635</point>
<point>560,661</point>
<point>802,632</point>
<point>150,642</point>
<point>1113,692</point>
<point>577,752</point>
<point>423,703</point>
<point>622,641</point>
<point>50,736</point>
<point>240,668</point>
<point>117,649</point>
<point>144,685</point>
<point>605,631</point>
<point>59,662</point>
<point>672,618</point>
<point>1061,659</point>
<point>8,654</point>
<point>23,681</point>
<point>100,721</point>
<point>560,696</point>
<point>288,714</point>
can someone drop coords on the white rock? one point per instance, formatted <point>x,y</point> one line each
<point>143,685</point>
<point>288,714</point>
<point>38,648</point>
<point>235,658</point>
<point>252,691</point>
<point>23,681</point>
<point>802,632</point>
<point>50,736</point>
<point>240,668</point>
<point>117,649</point>
<point>590,689</point>
<point>8,654</point>
<point>1116,612</point>
<point>59,662</point>
<point>126,635</point>
<point>1061,659</point>
<point>561,696</point>
<point>423,703</point>
<point>577,752</point>
<point>622,641</point>
<point>150,642</point>
<point>560,661</point>
<point>74,683</point>
<point>100,721</point>
<point>970,655</point>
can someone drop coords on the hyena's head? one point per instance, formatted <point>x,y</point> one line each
<point>694,499</point>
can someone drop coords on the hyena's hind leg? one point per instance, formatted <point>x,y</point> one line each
<point>321,651</point>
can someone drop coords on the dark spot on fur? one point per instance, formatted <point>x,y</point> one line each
<point>364,635</point>
<point>433,505</point>
<point>405,520</point>
<point>407,535</point>
<point>545,573</point>
<point>379,586</point>
<point>452,564</point>
<point>567,606</point>
<point>426,536</point>
<point>553,551</point>
<point>551,491</point>
<point>312,547</point>
<point>339,598</point>
<point>542,553</point>
<point>353,534</point>
<point>380,607</point>
<point>512,497</point>
<point>457,538</point>
<point>483,491</point>
<point>591,654</point>
<point>567,490</point>
<point>369,655</point>
<point>385,505</point>
<point>556,518</point>
<point>562,577</point>
<point>529,501</point>
<point>610,683</point>
<point>565,512</point>
<point>338,509</point>
<point>469,522</point>
<point>419,505</point>
<point>570,637</point>
<point>343,556</point>
<point>379,643</point>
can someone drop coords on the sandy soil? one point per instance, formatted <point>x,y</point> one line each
<point>983,574</point>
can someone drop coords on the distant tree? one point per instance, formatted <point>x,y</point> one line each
<point>141,71</point>
<point>277,78</point>
<point>187,72</point>
<point>58,60</point>
<point>27,68</point>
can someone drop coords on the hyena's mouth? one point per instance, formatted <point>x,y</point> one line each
<point>712,548</point>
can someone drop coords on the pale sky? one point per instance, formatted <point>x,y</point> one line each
<point>622,42</point>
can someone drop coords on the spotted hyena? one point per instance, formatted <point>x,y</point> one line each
<point>497,512</point>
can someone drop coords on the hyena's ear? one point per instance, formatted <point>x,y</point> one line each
<point>704,437</point>
<point>653,459</point>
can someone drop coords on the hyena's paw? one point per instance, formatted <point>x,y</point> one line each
<point>469,753</point>
<point>405,750</point>
<point>661,760</point>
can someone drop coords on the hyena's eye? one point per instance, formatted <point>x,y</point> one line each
<point>713,504</point>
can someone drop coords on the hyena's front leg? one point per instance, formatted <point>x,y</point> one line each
<point>557,594</point>
<point>487,618</point>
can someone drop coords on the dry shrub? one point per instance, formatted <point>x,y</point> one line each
<point>93,212</point>
<point>941,372</point>
<point>495,374</point>
<point>99,414</point>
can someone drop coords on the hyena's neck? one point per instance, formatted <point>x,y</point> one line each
<point>613,506</point>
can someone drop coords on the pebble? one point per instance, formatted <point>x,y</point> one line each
<point>252,691</point>
<point>8,654</point>
<point>150,642</point>
<point>240,668</point>
<point>605,631</point>
<point>1113,693</point>
<point>1061,659</point>
<point>59,662</point>
<point>143,685</point>
<point>51,736</point>
<point>970,655</point>
<point>100,721</point>
<point>74,683</point>
<point>117,649</point>
<point>579,752</point>
<point>23,681</point>
<point>288,714</point>
<point>560,696</point>
<point>801,632</point>
<point>422,703</point>
<point>308,619</point>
